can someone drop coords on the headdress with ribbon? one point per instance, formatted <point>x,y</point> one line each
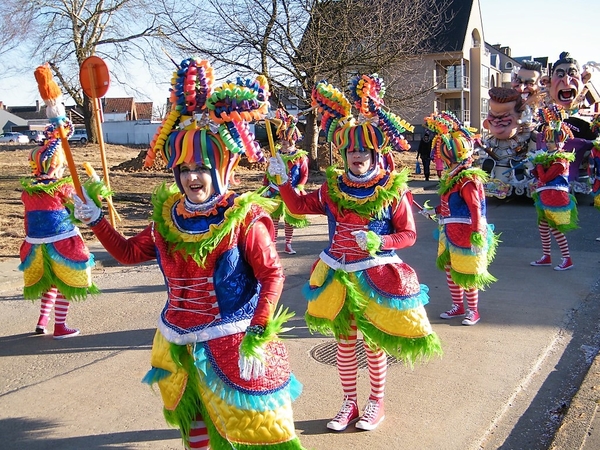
<point>287,130</point>
<point>49,156</point>
<point>374,129</point>
<point>554,128</point>
<point>210,126</point>
<point>452,142</point>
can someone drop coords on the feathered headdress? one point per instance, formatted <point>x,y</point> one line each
<point>452,142</point>
<point>288,126</point>
<point>374,129</point>
<point>554,128</point>
<point>210,127</point>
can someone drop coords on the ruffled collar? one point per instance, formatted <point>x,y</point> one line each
<point>366,199</point>
<point>34,185</point>
<point>448,182</point>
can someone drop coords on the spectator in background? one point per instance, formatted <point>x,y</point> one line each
<point>424,151</point>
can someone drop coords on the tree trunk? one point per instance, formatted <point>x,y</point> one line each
<point>311,140</point>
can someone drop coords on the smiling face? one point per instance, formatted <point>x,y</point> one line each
<point>526,83</point>
<point>502,120</point>
<point>360,161</point>
<point>196,181</point>
<point>566,85</point>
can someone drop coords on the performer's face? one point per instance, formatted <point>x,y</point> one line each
<point>565,85</point>
<point>502,121</point>
<point>286,146</point>
<point>196,182</point>
<point>526,83</point>
<point>360,161</point>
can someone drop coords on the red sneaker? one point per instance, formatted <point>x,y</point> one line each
<point>543,261</point>
<point>566,264</point>
<point>289,250</point>
<point>455,311</point>
<point>63,332</point>
<point>471,318</point>
<point>348,414</point>
<point>40,330</point>
<point>372,416</point>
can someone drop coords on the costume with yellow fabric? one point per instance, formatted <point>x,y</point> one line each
<point>222,274</point>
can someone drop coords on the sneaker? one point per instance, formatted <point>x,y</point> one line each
<point>543,261</point>
<point>289,250</point>
<point>372,416</point>
<point>455,311</point>
<point>64,332</point>
<point>40,330</point>
<point>471,318</point>
<point>348,414</point>
<point>566,264</point>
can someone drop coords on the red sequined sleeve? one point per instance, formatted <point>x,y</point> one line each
<point>261,254</point>
<point>136,249</point>
<point>472,198</point>
<point>302,204</point>
<point>404,225</point>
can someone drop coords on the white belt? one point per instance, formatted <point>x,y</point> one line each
<point>55,238</point>
<point>445,220</point>
<point>359,265</point>
<point>556,188</point>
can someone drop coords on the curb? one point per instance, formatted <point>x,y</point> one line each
<point>582,419</point>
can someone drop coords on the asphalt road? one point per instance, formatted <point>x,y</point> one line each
<point>504,383</point>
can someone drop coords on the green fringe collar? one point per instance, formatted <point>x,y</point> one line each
<point>472,173</point>
<point>33,186</point>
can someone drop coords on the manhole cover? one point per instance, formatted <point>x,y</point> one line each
<point>326,353</point>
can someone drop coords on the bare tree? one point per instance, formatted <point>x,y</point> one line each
<point>299,42</point>
<point>65,33</point>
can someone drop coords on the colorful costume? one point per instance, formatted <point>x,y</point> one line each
<point>467,243</point>
<point>556,207</point>
<point>594,163</point>
<point>297,171</point>
<point>55,260</point>
<point>359,282</point>
<point>223,374</point>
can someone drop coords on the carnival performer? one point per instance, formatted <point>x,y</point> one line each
<point>556,207</point>
<point>56,263</point>
<point>297,171</point>
<point>507,144</point>
<point>594,164</point>
<point>359,282</point>
<point>223,374</point>
<point>467,243</point>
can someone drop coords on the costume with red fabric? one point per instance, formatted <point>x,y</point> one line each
<point>222,275</point>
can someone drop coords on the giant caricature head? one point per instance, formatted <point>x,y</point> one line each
<point>566,82</point>
<point>526,80</point>
<point>506,106</point>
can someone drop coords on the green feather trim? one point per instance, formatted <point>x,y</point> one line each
<point>477,239</point>
<point>375,203</point>
<point>252,343</point>
<point>199,246</point>
<point>472,173</point>
<point>373,243</point>
<point>32,186</point>
<point>48,280</point>
<point>190,406</point>
<point>563,228</point>
<point>409,350</point>
<point>548,158</point>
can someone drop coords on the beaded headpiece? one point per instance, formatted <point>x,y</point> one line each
<point>452,142</point>
<point>374,129</point>
<point>49,156</point>
<point>210,127</point>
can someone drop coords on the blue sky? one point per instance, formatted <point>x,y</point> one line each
<point>529,27</point>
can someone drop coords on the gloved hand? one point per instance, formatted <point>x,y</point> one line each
<point>367,240</point>
<point>277,168</point>
<point>361,238</point>
<point>427,212</point>
<point>252,354</point>
<point>86,211</point>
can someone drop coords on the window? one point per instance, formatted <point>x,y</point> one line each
<point>454,77</point>
<point>508,65</point>
<point>485,77</point>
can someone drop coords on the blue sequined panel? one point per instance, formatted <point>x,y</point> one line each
<point>41,224</point>
<point>235,285</point>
